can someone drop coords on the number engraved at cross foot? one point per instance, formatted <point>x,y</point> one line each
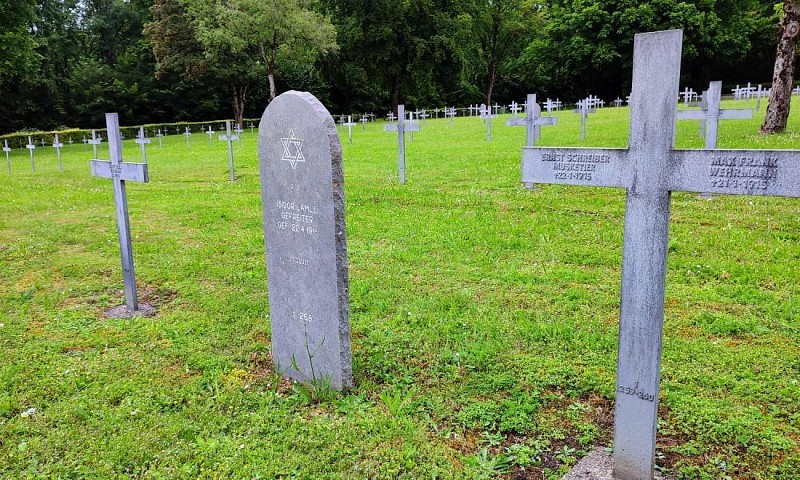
<point>636,392</point>
<point>305,317</point>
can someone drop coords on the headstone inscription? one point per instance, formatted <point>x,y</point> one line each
<point>7,149</point>
<point>58,146</point>
<point>401,127</point>
<point>349,124</point>
<point>650,169</point>
<point>31,146</point>
<point>302,191</point>
<point>142,141</point>
<point>229,138</point>
<point>120,172</point>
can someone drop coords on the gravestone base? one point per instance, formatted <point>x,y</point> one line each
<point>598,465</point>
<point>122,311</point>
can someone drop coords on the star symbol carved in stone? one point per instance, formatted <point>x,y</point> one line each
<point>292,149</point>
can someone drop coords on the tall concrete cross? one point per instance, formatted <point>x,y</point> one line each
<point>228,137</point>
<point>120,172</point>
<point>58,146</point>
<point>584,109</point>
<point>187,134</point>
<point>142,141</point>
<point>486,115</point>
<point>160,136</point>
<point>95,141</point>
<point>618,102</point>
<point>688,95</point>
<point>423,115</point>
<point>650,169</point>
<point>515,108</point>
<point>350,124</point>
<point>7,149</point>
<point>401,127</point>
<point>450,113</point>
<point>532,123</point>
<point>251,126</point>
<point>364,119</point>
<point>239,132</point>
<point>69,140</point>
<point>391,116</point>
<point>759,94</point>
<point>210,133</point>
<point>31,146</point>
<point>533,120</point>
<point>711,114</point>
<point>85,141</point>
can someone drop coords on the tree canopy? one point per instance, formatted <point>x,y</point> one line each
<point>67,62</point>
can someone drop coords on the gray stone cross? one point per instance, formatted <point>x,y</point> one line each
<point>142,141</point>
<point>210,133</point>
<point>650,169</point>
<point>450,113</point>
<point>487,117</point>
<point>618,102</point>
<point>239,132</point>
<point>7,149</point>
<point>349,124</point>
<point>228,137</point>
<point>401,127</point>
<point>120,172</point>
<point>251,126</point>
<point>515,108</point>
<point>160,136</point>
<point>58,146</point>
<point>391,117</point>
<point>31,146</point>
<point>711,114</point>
<point>688,95</point>
<point>364,119</point>
<point>95,141</point>
<point>187,134</point>
<point>584,109</point>
<point>533,120</point>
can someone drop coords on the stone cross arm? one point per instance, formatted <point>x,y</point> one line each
<point>729,114</point>
<point>133,172</point>
<point>732,172</point>
<point>522,121</point>
<point>407,127</point>
<point>228,137</point>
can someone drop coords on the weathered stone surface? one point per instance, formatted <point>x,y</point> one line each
<point>302,190</point>
<point>596,466</point>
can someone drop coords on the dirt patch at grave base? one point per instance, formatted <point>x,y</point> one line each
<point>122,311</point>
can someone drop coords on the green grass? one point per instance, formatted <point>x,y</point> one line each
<point>484,318</point>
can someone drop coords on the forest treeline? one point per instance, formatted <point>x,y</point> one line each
<point>64,63</point>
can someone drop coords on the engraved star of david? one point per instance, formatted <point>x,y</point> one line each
<point>292,149</point>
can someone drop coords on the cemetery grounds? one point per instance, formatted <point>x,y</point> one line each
<point>484,317</point>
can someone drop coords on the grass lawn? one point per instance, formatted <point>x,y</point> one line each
<point>484,318</point>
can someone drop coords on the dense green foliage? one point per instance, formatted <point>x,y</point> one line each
<point>484,318</point>
<point>67,62</point>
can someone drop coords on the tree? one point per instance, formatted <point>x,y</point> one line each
<point>501,26</point>
<point>275,31</point>
<point>780,96</point>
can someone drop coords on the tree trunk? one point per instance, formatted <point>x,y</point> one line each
<point>394,92</point>
<point>783,75</point>
<point>239,97</point>
<point>271,77</point>
<point>490,87</point>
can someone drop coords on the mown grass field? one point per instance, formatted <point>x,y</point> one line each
<point>484,318</point>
